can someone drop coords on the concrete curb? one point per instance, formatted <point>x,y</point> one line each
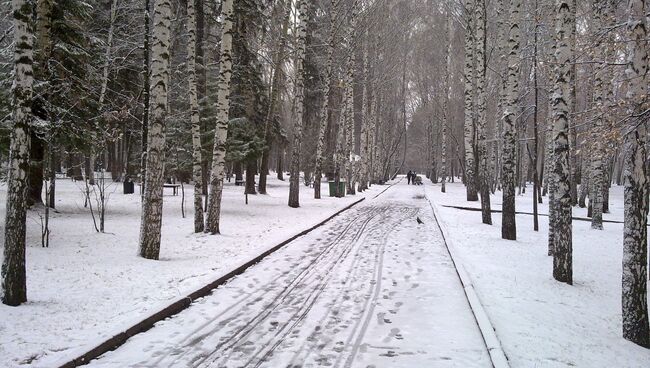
<point>180,304</point>
<point>497,356</point>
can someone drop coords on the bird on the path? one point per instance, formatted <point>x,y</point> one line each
<point>419,221</point>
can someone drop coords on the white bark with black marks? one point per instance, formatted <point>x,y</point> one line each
<point>221,125</point>
<point>299,89</point>
<point>324,112</point>
<point>598,133</point>
<point>509,160</point>
<point>195,119</point>
<point>445,102</point>
<point>636,326</point>
<point>14,280</point>
<point>481,95</point>
<point>468,128</point>
<point>363,149</point>
<point>562,220</point>
<point>152,202</point>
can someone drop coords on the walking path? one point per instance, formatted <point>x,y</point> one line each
<point>371,288</point>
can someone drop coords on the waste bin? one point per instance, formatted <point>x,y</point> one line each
<point>332,185</point>
<point>129,187</point>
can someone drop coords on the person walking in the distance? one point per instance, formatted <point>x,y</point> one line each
<point>409,177</point>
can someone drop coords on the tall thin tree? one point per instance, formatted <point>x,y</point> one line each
<point>294,181</point>
<point>470,83</point>
<point>636,327</point>
<point>508,223</point>
<point>152,202</point>
<point>562,245</point>
<point>481,95</point>
<point>221,124</point>
<point>14,278</point>
<point>195,118</point>
<point>324,111</point>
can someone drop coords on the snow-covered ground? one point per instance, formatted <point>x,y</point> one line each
<point>373,288</point>
<point>87,285</point>
<point>540,322</point>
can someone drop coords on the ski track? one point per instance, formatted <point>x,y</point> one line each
<point>324,300</point>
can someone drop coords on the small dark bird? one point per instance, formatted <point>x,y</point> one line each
<point>419,221</point>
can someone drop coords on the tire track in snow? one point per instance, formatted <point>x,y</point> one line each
<point>287,295</point>
<point>258,293</point>
<point>319,339</point>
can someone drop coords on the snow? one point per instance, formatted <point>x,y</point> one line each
<point>541,322</point>
<point>87,285</point>
<point>373,288</point>
<point>370,288</point>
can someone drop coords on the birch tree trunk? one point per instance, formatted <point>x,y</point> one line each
<point>372,135</point>
<point>221,126</point>
<point>195,118</point>
<point>550,179</point>
<point>14,280</point>
<point>324,112</point>
<point>339,158</point>
<point>597,154</point>
<point>363,150</point>
<point>349,97</point>
<point>483,173</point>
<point>501,46</point>
<point>445,101</point>
<point>573,136</point>
<point>469,129</point>
<point>562,245</point>
<point>635,233</point>
<point>508,224</point>
<point>294,180</point>
<point>152,202</point>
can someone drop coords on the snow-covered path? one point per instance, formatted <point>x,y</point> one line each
<point>371,288</point>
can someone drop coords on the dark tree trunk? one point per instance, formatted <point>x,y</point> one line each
<point>53,169</point>
<point>89,171</point>
<point>35,176</point>
<point>606,185</point>
<point>251,168</point>
<point>237,169</point>
<point>145,95</point>
<point>280,168</point>
<point>264,171</point>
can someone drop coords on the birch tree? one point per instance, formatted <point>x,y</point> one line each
<point>294,181</point>
<point>324,112</point>
<point>349,98</point>
<point>221,126</point>
<point>636,186</point>
<point>469,129</point>
<point>508,224</point>
<point>481,81</point>
<point>562,244</point>
<point>152,201</point>
<point>363,149</point>
<point>195,118</point>
<point>597,154</point>
<point>445,100</point>
<point>14,283</point>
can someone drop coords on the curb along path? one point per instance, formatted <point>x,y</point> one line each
<point>85,355</point>
<point>497,356</point>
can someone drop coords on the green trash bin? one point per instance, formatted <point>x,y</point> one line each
<point>332,186</point>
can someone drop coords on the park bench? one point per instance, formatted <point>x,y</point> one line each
<point>173,186</point>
